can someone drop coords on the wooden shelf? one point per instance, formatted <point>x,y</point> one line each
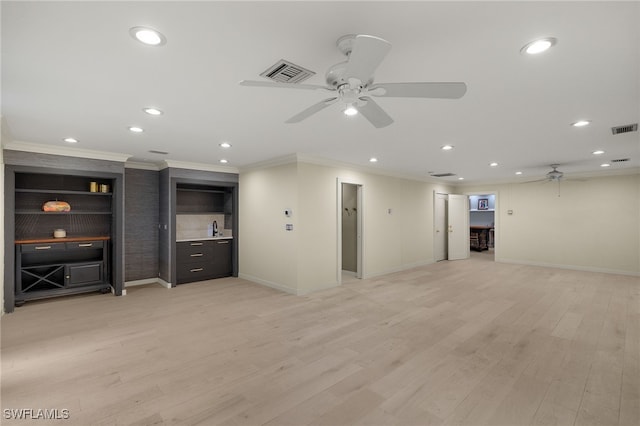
<point>61,240</point>
<point>62,191</point>
<point>73,212</point>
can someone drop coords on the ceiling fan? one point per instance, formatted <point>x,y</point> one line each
<point>351,83</point>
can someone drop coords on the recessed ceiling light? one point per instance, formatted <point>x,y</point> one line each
<point>447,147</point>
<point>152,111</point>
<point>598,152</point>
<point>224,161</point>
<point>135,129</point>
<point>518,173</point>
<point>460,178</point>
<point>494,164</point>
<point>350,110</point>
<point>148,36</point>
<point>70,140</point>
<point>225,145</point>
<point>373,160</point>
<point>605,165</point>
<point>538,46</point>
<point>581,123</point>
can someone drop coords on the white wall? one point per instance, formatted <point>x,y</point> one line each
<point>392,242</point>
<point>593,225</point>
<point>268,254</point>
<point>2,227</point>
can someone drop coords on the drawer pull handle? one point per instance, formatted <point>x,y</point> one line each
<point>197,269</point>
<point>223,242</point>
<point>196,255</point>
<point>85,245</point>
<point>43,247</point>
<point>196,244</point>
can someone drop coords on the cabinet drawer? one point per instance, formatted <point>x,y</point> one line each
<point>193,272</point>
<point>193,251</point>
<point>44,247</point>
<point>79,245</point>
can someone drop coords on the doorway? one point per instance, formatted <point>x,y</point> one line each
<point>451,227</point>
<point>483,224</point>
<point>350,231</point>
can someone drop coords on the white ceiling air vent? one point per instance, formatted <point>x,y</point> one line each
<point>625,129</point>
<point>287,72</point>
<point>442,174</point>
<point>620,160</point>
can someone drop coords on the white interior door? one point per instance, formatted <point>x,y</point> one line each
<point>458,227</point>
<point>440,227</point>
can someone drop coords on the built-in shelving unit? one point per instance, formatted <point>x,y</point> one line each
<point>46,266</point>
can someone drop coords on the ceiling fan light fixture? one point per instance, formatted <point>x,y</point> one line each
<point>148,36</point>
<point>350,110</point>
<point>538,46</point>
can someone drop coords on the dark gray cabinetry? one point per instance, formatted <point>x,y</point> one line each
<point>203,260</point>
<point>79,262</point>
<point>48,268</point>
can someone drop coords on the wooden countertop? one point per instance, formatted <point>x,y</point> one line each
<point>61,240</point>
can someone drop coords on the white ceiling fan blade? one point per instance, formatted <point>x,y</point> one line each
<point>420,90</point>
<point>311,110</point>
<point>283,85</point>
<point>372,112</point>
<point>367,53</point>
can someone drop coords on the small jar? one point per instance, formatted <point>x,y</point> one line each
<point>93,186</point>
<point>104,188</point>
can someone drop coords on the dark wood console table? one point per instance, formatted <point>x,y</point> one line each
<point>49,267</point>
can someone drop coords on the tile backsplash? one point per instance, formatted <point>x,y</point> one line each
<point>199,226</point>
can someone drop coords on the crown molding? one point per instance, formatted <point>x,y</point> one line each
<point>273,162</point>
<point>197,166</point>
<point>572,176</point>
<point>140,165</point>
<point>327,162</point>
<point>66,151</point>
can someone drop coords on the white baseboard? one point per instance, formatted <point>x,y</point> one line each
<point>569,267</point>
<point>268,283</point>
<point>400,268</point>
<point>160,281</point>
<point>294,291</point>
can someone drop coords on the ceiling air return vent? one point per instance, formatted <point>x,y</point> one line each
<point>624,129</point>
<point>287,72</point>
<point>442,174</point>
<point>620,160</point>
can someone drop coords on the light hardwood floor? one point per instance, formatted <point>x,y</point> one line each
<point>455,343</point>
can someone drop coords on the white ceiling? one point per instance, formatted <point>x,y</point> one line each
<point>72,69</point>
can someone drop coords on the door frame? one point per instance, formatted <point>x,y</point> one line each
<point>496,217</point>
<point>445,230</point>
<point>359,227</point>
